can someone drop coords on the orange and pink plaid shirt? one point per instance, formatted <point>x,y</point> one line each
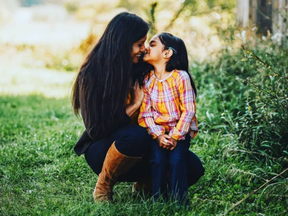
<point>169,106</point>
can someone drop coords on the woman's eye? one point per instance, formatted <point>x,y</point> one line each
<point>140,45</point>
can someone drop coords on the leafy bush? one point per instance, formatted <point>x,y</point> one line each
<point>247,97</point>
<point>262,125</point>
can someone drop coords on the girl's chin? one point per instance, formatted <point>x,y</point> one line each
<point>145,59</point>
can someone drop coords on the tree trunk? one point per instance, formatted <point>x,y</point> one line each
<point>243,12</point>
<point>253,4</point>
<point>267,15</point>
<point>279,23</point>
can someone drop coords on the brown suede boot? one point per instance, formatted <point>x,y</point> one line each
<point>115,164</point>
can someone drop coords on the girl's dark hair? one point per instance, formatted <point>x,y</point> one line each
<point>179,59</point>
<point>102,84</point>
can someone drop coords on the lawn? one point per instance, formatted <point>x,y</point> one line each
<point>41,175</point>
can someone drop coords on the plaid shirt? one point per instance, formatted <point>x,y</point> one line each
<point>169,106</point>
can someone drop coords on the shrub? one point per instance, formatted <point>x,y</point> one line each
<point>263,124</point>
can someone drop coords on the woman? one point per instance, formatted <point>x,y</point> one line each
<point>108,95</point>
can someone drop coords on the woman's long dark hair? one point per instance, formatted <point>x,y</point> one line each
<point>102,84</point>
<point>179,59</point>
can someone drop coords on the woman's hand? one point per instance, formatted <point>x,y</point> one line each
<point>137,95</point>
<point>164,141</point>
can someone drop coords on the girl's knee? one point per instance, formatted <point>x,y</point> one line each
<point>179,162</point>
<point>158,164</point>
<point>158,157</point>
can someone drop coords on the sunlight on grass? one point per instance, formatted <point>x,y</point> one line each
<point>17,80</point>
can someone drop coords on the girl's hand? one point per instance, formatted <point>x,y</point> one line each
<point>174,143</point>
<point>164,141</point>
<point>137,95</point>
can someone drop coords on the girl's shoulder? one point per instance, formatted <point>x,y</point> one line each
<point>148,80</point>
<point>180,75</point>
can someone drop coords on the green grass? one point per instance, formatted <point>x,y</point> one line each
<point>41,175</point>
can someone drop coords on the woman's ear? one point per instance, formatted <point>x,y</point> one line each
<point>168,53</point>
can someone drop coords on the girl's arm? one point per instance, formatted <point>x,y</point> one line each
<point>187,108</point>
<point>145,118</point>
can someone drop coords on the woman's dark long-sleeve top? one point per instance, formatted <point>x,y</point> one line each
<point>94,132</point>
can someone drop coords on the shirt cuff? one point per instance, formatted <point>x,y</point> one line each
<point>176,135</point>
<point>156,133</point>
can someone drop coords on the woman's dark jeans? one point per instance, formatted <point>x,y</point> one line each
<point>165,162</point>
<point>134,141</point>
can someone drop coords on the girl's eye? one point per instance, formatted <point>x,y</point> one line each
<point>140,45</point>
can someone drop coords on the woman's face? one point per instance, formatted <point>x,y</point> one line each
<point>137,49</point>
<point>155,51</point>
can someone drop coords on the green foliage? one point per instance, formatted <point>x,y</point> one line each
<point>151,16</point>
<point>243,98</point>
<point>71,6</point>
<point>263,126</point>
<point>224,4</point>
<point>251,94</point>
<point>44,57</point>
<point>262,123</point>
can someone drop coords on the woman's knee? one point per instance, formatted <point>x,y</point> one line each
<point>94,163</point>
<point>133,134</point>
<point>194,164</point>
<point>133,141</point>
<point>95,155</point>
<point>195,168</point>
<point>139,135</point>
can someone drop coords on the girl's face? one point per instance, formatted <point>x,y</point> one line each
<point>155,51</point>
<point>137,49</point>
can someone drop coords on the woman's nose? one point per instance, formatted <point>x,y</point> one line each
<point>142,49</point>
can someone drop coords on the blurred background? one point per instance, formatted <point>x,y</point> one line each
<point>42,39</point>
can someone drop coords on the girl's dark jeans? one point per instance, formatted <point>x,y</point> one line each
<point>133,140</point>
<point>165,162</point>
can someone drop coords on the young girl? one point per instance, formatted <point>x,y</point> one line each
<point>168,112</point>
